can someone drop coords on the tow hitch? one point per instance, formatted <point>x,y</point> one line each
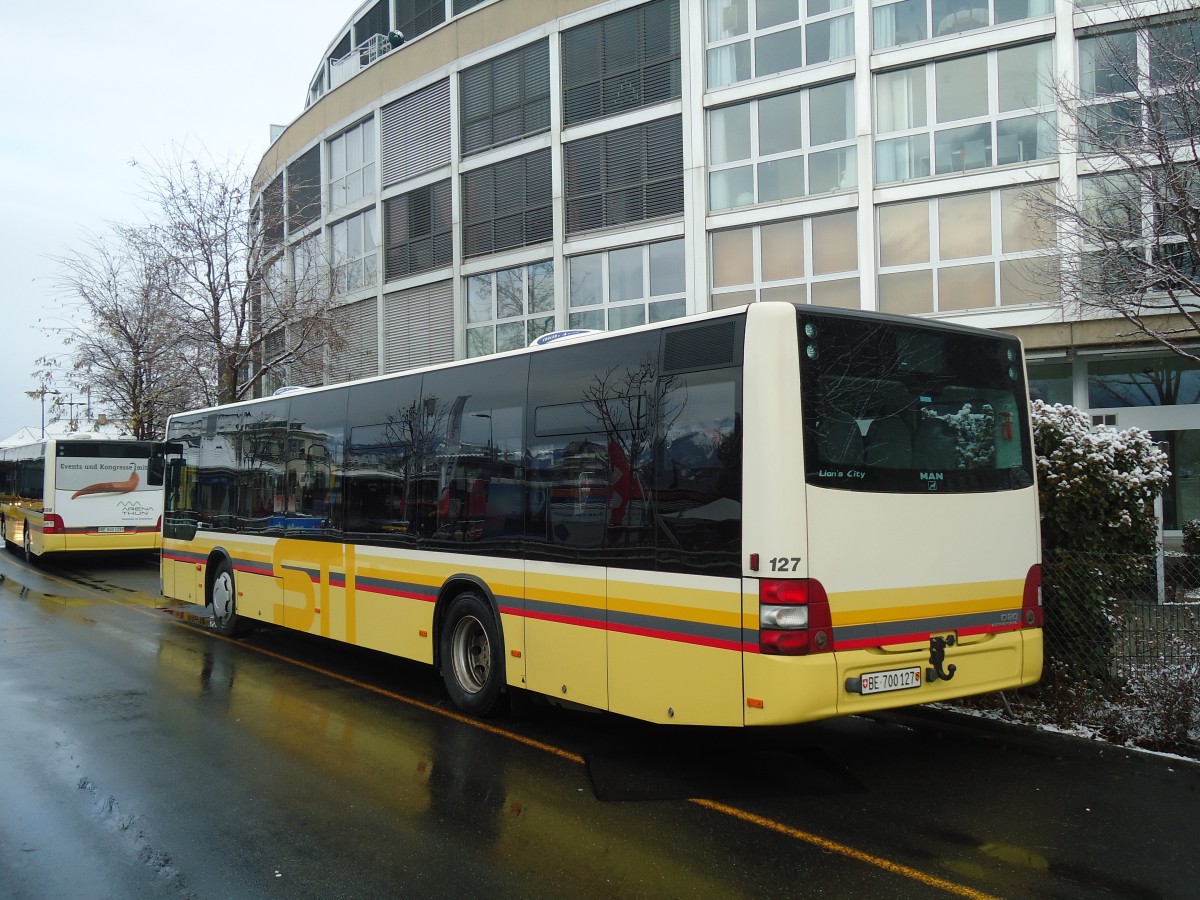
<point>937,656</point>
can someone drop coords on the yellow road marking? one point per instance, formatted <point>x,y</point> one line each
<point>845,850</point>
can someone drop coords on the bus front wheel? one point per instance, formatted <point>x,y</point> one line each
<point>470,655</point>
<point>222,600</point>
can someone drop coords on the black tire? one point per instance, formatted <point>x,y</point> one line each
<point>471,657</point>
<point>221,601</point>
<point>30,556</point>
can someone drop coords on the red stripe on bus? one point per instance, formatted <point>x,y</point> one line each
<point>917,636</point>
<point>565,620</point>
<point>254,570</point>
<point>393,592</point>
<point>677,636</point>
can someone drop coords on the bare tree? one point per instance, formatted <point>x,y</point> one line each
<point>1130,233</point>
<point>251,304</point>
<point>125,346</point>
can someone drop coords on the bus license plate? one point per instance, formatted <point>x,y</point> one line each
<point>891,680</point>
<point>111,529</point>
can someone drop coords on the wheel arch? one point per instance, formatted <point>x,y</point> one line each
<point>215,556</point>
<point>455,585</point>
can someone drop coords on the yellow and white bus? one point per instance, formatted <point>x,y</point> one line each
<point>766,515</point>
<point>79,493</point>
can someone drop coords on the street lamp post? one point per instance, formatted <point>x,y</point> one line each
<point>41,395</point>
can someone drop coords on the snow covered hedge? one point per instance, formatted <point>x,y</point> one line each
<point>1096,487</point>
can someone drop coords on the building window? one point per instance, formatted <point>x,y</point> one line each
<point>973,112</point>
<point>909,21</point>
<point>272,213</point>
<point>621,62</point>
<point>508,204</point>
<point>358,323</point>
<point>304,190</point>
<point>624,176</point>
<point>967,251</point>
<point>508,309</point>
<point>417,231</point>
<point>506,98</point>
<point>414,17</point>
<point>310,270</point>
<point>352,165</point>
<point>1159,380</point>
<point>355,252</point>
<point>1122,74</point>
<point>795,260</point>
<point>782,147</point>
<point>629,286</point>
<point>374,21</point>
<point>755,38</point>
<point>1050,381</point>
<point>415,133</point>
<point>273,374</point>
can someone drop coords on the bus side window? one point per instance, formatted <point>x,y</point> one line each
<point>386,425</point>
<point>698,484</point>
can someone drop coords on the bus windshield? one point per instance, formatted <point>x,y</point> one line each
<point>895,408</point>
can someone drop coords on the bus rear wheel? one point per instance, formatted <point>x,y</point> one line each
<point>222,600</point>
<point>472,666</point>
<point>29,554</point>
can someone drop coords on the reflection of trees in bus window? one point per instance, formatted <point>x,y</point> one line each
<point>887,407</point>
<point>592,429</point>
<point>217,459</point>
<point>315,461</point>
<point>387,427</point>
<point>698,482</point>
<point>473,473</point>
<point>265,492</point>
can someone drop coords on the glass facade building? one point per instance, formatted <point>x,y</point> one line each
<point>516,167</point>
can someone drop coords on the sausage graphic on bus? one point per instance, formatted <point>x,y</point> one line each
<point>110,487</point>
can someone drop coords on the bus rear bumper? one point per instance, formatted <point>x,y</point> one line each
<point>784,690</point>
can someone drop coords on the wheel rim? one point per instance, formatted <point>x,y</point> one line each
<point>471,654</point>
<point>28,550</point>
<point>222,597</point>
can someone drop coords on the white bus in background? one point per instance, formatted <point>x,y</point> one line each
<point>79,493</point>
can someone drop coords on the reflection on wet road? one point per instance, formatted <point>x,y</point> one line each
<point>142,757</point>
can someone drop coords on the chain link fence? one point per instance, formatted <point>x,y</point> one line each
<point>1122,650</point>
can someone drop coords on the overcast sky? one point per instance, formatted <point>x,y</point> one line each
<point>91,86</point>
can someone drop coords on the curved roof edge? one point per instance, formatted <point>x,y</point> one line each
<point>463,36</point>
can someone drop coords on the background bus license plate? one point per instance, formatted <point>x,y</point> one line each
<point>114,529</point>
<point>891,680</point>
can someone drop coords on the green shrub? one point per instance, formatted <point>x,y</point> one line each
<point>1191,537</point>
<point>1096,487</point>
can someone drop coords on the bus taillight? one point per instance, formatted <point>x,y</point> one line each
<point>793,618</point>
<point>1031,600</point>
<point>53,524</point>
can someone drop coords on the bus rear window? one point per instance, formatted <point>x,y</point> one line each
<point>912,409</point>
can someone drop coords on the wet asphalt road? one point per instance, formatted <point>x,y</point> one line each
<point>142,757</point>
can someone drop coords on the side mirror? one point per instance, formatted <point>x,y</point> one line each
<point>158,461</point>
